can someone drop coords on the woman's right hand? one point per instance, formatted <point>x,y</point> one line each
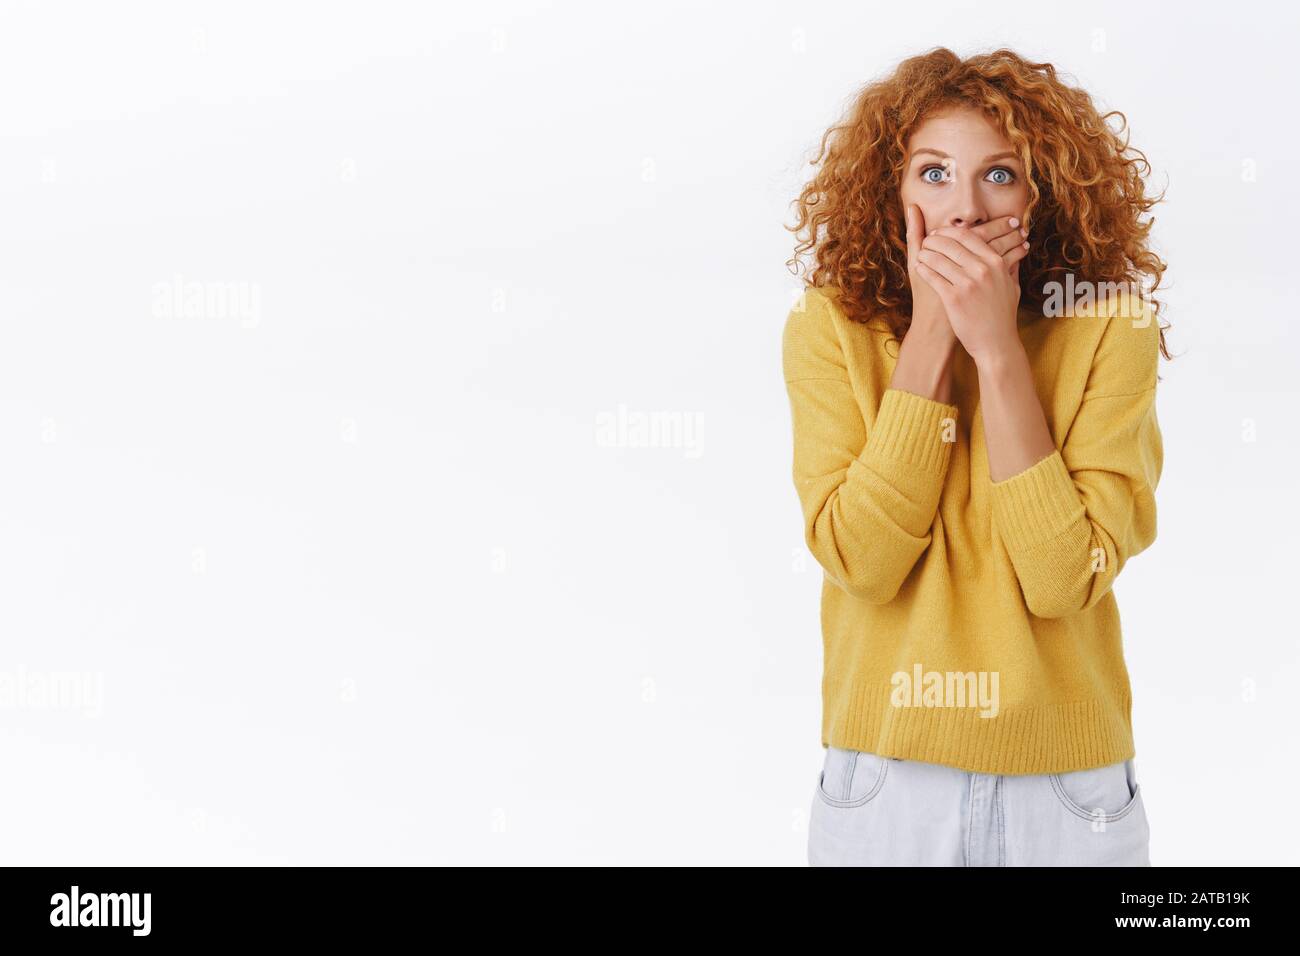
<point>924,363</point>
<point>927,309</point>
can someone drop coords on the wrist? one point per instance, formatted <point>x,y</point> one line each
<point>1000,358</point>
<point>924,365</point>
<point>933,334</point>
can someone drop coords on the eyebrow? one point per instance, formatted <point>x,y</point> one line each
<point>1009,154</point>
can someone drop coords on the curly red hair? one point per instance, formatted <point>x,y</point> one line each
<point>1086,185</point>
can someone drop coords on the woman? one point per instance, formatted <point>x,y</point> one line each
<point>972,371</point>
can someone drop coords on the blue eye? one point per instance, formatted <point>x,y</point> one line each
<point>1008,176</point>
<point>925,174</point>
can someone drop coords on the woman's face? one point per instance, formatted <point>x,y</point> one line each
<point>961,171</point>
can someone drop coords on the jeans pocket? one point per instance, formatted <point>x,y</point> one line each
<point>851,778</point>
<point>1099,794</point>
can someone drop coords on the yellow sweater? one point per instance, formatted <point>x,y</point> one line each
<point>964,621</point>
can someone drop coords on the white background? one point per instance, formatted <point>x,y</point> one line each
<point>353,576</point>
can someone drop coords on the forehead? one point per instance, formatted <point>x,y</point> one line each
<point>958,132</point>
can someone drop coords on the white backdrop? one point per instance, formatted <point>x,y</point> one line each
<point>327,533</point>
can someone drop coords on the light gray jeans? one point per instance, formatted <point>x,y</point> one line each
<point>883,811</point>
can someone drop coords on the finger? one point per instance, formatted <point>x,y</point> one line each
<point>1004,244</point>
<point>931,278</point>
<point>988,231</point>
<point>940,264</point>
<point>953,249</point>
<point>1014,255</point>
<point>915,230</point>
<point>976,246</point>
<point>998,228</point>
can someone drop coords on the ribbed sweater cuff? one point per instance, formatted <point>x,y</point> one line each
<point>1036,505</point>
<point>909,428</point>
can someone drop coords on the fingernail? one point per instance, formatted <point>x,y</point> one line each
<point>1025,233</point>
<point>1025,244</point>
<point>1014,223</point>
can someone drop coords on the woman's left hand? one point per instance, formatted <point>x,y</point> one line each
<point>979,288</point>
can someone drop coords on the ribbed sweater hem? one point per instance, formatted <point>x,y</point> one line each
<point>1038,504</point>
<point>1050,738</point>
<point>910,429</point>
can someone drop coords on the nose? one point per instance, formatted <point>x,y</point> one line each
<point>968,209</point>
<point>970,216</point>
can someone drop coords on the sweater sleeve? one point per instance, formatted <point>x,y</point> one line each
<point>868,494</point>
<point>1073,519</point>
